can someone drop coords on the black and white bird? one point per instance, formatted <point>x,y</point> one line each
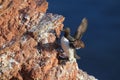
<point>70,43</point>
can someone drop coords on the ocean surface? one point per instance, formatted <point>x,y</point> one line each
<point>101,56</point>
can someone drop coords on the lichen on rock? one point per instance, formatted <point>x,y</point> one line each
<point>28,46</point>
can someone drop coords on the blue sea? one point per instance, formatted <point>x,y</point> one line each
<point>101,56</point>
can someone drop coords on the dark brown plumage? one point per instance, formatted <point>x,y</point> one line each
<point>75,40</point>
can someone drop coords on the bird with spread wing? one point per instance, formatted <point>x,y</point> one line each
<point>74,42</point>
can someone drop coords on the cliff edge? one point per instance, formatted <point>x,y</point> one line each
<point>29,48</point>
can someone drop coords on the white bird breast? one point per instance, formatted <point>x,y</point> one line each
<point>68,51</point>
<point>65,45</point>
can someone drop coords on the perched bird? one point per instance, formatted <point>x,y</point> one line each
<point>70,43</point>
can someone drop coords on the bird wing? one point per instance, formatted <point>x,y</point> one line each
<point>81,29</point>
<point>70,38</point>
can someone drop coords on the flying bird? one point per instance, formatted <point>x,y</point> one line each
<point>70,43</point>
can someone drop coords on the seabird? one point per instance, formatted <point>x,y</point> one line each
<point>70,43</point>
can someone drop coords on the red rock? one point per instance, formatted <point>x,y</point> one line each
<point>28,46</point>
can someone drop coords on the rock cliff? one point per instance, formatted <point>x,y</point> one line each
<point>29,48</point>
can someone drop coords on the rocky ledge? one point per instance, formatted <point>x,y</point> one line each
<point>29,48</point>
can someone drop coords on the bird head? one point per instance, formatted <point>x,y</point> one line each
<point>66,30</point>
